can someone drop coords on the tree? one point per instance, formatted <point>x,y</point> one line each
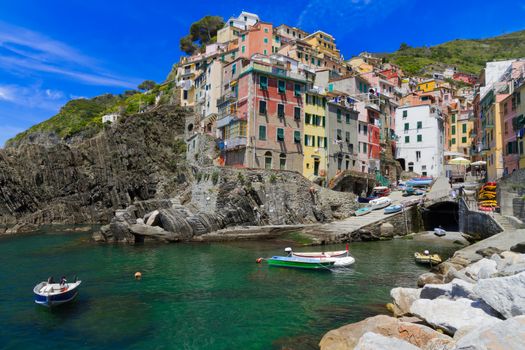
<point>403,46</point>
<point>146,85</point>
<point>203,32</point>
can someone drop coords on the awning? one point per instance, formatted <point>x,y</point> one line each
<point>455,154</point>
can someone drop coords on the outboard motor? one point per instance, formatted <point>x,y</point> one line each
<point>288,250</point>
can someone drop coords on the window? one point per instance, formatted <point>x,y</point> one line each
<point>262,107</point>
<point>339,162</point>
<point>338,136</point>
<point>453,130</point>
<point>347,136</point>
<point>268,160</point>
<point>243,37</point>
<point>263,82</point>
<point>280,134</point>
<point>318,62</point>
<point>297,136</point>
<point>297,89</point>
<point>347,118</point>
<point>234,68</point>
<point>262,132</point>
<point>280,110</point>
<point>453,118</point>
<point>464,128</point>
<point>419,125</point>
<point>419,138</point>
<point>325,143</point>
<point>266,30</point>
<point>243,49</point>
<point>453,141</point>
<point>282,86</point>
<point>365,148</point>
<point>405,114</point>
<point>307,118</point>
<point>323,122</point>
<point>185,94</point>
<point>338,115</point>
<point>282,161</point>
<point>265,40</point>
<point>297,113</point>
<point>407,139</point>
<point>265,52</point>
<point>407,126</point>
<point>464,139</point>
<point>418,156</point>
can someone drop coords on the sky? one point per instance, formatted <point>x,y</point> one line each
<point>53,51</point>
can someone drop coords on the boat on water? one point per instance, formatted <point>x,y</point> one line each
<point>342,258</point>
<point>363,211</point>
<point>380,203</point>
<point>393,209</point>
<point>427,258</point>
<point>50,294</point>
<point>438,231</point>
<point>301,263</point>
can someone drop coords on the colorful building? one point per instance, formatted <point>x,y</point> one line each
<point>261,118</point>
<point>519,125</point>
<point>315,137</point>
<point>459,131</point>
<point>257,39</point>
<point>511,157</point>
<point>427,85</point>
<point>324,43</point>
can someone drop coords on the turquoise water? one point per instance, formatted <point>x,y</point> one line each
<point>191,296</point>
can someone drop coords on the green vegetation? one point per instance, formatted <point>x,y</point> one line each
<point>203,32</point>
<point>215,177</point>
<point>467,55</point>
<point>273,178</point>
<point>147,85</point>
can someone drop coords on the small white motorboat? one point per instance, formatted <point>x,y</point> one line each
<point>380,203</point>
<point>51,294</point>
<point>340,258</point>
<point>363,211</point>
<point>438,231</point>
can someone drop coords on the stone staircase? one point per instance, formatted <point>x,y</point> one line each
<point>505,223</point>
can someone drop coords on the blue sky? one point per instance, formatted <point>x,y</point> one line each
<point>52,51</point>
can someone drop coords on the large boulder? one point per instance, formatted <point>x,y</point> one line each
<point>504,294</point>
<point>452,290</point>
<point>348,336</point>
<point>450,315</point>
<point>484,268</point>
<point>429,278</point>
<point>374,341</point>
<point>506,335</point>
<point>153,232</point>
<point>509,263</point>
<point>518,248</point>
<point>403,299</point>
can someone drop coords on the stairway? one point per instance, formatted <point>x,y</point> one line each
<point>503,222</point>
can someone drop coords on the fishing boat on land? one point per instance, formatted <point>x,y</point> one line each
<point>51,294</point>
<point>393,209</point>
<point>419,181</point>
<point>438,231</point>
<point>381,191</point>
<point>365,200</point>
<point>427,258</point>
<point>380,203</point>
<point>363,211</point>
<point>301,263</point>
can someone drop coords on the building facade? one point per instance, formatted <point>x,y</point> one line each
<point>315,137</point>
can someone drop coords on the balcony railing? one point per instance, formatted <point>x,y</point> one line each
<point>233,143</point>
<point>227,97</point>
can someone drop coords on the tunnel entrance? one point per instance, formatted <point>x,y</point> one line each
<point>444,214</point>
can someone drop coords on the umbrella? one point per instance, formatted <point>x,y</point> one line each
<point>479,162</point>
<point>459,161</point>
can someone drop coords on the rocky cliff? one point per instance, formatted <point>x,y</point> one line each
<point>46,180</point>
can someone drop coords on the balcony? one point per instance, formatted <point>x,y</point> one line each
<point>227,97</point>
<point>233,143</point>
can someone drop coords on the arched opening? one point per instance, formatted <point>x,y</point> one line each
<point>444,214</point>
<point>268,160</point>
<point>402,163</point>
<point>190,127</point>
<point>282,161</point>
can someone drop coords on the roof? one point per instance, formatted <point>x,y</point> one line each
<point>320,32</point>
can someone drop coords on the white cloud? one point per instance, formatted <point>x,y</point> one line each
<point>27,52</point>
<point>32,97</point>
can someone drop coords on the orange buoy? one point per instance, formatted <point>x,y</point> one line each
<point>138,275</point>
<point>259,260</point>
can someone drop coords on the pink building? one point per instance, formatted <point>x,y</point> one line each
<point>256,39</point>
<point>511,155</point>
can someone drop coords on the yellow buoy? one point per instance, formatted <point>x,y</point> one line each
<point>138,275</point>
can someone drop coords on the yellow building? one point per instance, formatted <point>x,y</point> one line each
<point>492,137</point>
<point>315,138</point>
<point>427,85</point>
<point>323,42</point>
<point>459,133</point>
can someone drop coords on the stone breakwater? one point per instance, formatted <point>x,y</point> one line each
<point>219,200</point>
<point>462,304</point>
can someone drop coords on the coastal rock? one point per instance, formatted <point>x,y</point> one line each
<point>507,335</point>
<point>488,252</point>
<point>348,336</point>
<point>504,294</point>
<point>386,230</point>
<point>509,263</point>
<point>154,232</point>
<point>403,299</point>
<point>152,219</point>
<point>21,228</point>
<point>518,248</point>
<point>374,341</point>
<point>452,290</point>
<point>483,268</point>
<point>429,278</point>
<point>452,274</point>
<point>451,315</point>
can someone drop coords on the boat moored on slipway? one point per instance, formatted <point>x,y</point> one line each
<point>380,203</point>
<point>393,209</point>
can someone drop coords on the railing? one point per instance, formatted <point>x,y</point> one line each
<point>234,142</point>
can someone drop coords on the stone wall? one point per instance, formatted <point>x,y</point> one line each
<point>477,224</point>
<point>511,192</point>
<point>400,224</point>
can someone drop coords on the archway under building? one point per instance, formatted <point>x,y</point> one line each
<point>444,214</point>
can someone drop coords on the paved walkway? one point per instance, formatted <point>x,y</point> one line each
<point>503,241</point>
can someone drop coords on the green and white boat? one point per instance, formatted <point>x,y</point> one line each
<point>301,263</point>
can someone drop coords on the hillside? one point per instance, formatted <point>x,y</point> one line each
<point>467,55</point>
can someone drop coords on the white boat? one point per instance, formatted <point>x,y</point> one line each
<point>438,231</point>
<point>380,203</point>
<point>363,211</point>
<point>340,258</point>
<point>51,294</point>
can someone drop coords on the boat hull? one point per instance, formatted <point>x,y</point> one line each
<point>301,263</point>
<point>57,298</point>
<point>427,259</point>
<point>380,203</point>
<point>336,254</point>
<point>393,209</point>
<point>363,211</point>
